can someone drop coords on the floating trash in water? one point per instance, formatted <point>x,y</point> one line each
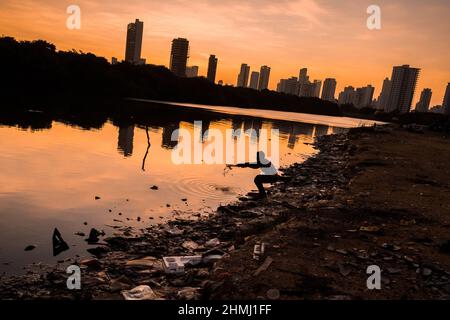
<point>59,245</point>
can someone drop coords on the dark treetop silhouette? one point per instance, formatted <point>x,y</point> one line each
<point>37,74</point>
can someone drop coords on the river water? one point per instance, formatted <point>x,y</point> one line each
<point>60,174</point>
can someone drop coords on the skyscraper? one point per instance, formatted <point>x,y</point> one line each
<point>317,86</point>
<point>329,89</point>
<point>364,97</point>
<point>384,95</point>
<point>179,56</point>
<point>404,80</point>
<point>347,96</point>
<point>134,42</point>
<point>254,79</point>
<point>446,103</point>
<point>303,75</point>
<point>212,68</point>
<point>424,103</point>
<point>288,86</point>
<point>192,72</point>
<point>264,78</point>
<point>307,89</point>
<point>243,76</point>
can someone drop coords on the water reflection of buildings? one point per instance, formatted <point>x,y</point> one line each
<point>321,130</point>
<point>167,135</point>
<point>125,141</point>
<point>292,133</point>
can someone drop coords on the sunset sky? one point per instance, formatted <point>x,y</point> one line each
<point>329,37</point>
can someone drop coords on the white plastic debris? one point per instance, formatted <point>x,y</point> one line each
<point>259,251</point>
<point>150,262</point>
<point>213,256</point>
<point>212,243</point>
<point>139,293</point>
<point>176,265</point>
<point>190,245</point>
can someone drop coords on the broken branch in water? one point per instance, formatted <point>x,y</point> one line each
<point>148,148</point>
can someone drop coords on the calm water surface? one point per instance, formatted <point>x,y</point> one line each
<point>51,176</point>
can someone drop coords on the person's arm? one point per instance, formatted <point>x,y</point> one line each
<point>246,165</point>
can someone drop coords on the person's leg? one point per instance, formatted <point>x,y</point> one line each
<point>261,179</point>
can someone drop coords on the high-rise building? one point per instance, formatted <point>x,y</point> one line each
<point>424,103</point>
<point>364,97</point>
<point>317,86</point>
<point>264,76</point>
<point>446,103</point>
<point>134,42</point>
<point>254,79</point>
<point>347,96</point>
<point>404,80</point>
<point>303,75</point>
<point>192,72</point>
<point>242,80</point>
<point>212,68</point>
<point>114,60</point>
<point>288,86</point>
<point>179,56</point>
<point>306,89</point>
<point>329,89</point>
<point>384,95</point>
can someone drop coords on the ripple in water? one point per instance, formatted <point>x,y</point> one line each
<point>195,186</point>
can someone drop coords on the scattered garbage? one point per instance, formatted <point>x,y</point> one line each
<point>91,263</point>
<point>273,294</point>
<point>188,293</point>
<point>173,230</point>
<point>59,245</point>
<point>148,262</point>
<point>190,245</point>
<point>259,251</point>
<point>30,247</point>
<point>94,235</point>
<point>154,188</point>
<point>97,198</point>
<point>213,256</point>
<point>176,265</point>
<point>212,243</point>
<point>140,293</point>
<point>370,229</point>
<point>263,267</point>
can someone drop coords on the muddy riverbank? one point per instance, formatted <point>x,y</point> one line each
<point>373,196</point>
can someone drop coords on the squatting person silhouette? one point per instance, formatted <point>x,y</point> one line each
<point>269,173</point>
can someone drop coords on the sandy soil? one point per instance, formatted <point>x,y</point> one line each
<point>392,210</point>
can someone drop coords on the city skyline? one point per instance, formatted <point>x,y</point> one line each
<point>345,49</point>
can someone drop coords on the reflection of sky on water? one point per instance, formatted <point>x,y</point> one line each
<point>51,177</point>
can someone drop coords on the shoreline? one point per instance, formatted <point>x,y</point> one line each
<point>311,225</point>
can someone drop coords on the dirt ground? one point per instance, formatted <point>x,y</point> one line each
<point>391,209</point>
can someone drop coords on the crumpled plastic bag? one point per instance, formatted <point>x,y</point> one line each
<point>139,293</point>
